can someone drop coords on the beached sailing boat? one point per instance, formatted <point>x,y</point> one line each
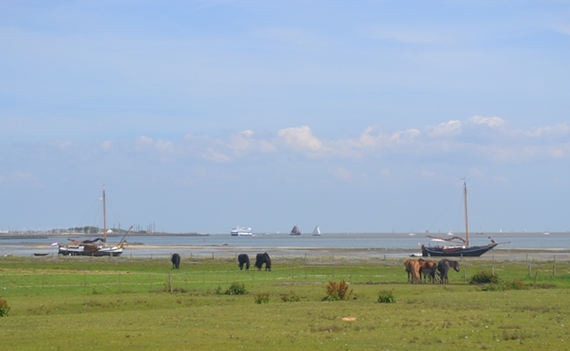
<point>95,247</point>
<point>460,246</point>
<point>317,231</point>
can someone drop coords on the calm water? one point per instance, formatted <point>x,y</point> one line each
<point>20,246</point>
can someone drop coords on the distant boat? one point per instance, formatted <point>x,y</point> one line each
<point>295,231</point>
<point>463,249</point>
<point>91,247</point>
<point>241,231</point>
<point>317,231</point>
<point>546,233</point>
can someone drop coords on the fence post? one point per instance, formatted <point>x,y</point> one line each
<point>529,271</point>
<point>170,282</point>
<point>535,276</point>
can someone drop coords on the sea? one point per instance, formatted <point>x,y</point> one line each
<point>28,245</point>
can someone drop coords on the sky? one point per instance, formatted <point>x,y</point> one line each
<point>358,116</point>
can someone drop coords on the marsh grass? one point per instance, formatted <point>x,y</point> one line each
<point>122,304</point>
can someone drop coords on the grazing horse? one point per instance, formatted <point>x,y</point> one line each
<point>427,269</point>
<point>443,267</point>
<point>175,261</point>
<point>413,269</point>
<point>262,258</point>
<point>243,259</point>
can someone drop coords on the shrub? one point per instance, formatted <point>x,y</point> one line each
<point>236,289</point>
<point>484,277</point>
<point>337,291</point>
<point>500,286</point>
<point>291,297</point>
<point>516,285</point>
<point>4,308</point>
<point>386,296</point>
<point>261,298</point>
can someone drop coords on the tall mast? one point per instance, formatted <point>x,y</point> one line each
<point>104,217</point>
<point>466,216</point>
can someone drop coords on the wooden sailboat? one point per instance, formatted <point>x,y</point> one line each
<point>463,248</point>
<point>95,247</point>
<point>317,231</point>
<point>295,231</point>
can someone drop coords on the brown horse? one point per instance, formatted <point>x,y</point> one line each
<point>427,269</point>
<point>413,269</point>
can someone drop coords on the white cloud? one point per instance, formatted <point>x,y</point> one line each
<point>493,122</point>
<point>244,141</point>
<point>495,143</point>
<point>107,145</point>
<point>143,143</point>
<point>61,144</point>
<point>446,129</point>
<point>548,131</point>
<point>343,174</point>
<point>302,139</point>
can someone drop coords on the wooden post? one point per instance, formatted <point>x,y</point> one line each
<point>170,281</point>
<point>464,274</point>
<point>529,271</point>
<point>493,270</point>
<point>535,276</point>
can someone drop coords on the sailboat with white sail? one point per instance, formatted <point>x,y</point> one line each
<point>317,231</point>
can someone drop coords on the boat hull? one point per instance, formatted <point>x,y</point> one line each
<point>473,251</point>
<point>80,251</point>
<point>241,234</point>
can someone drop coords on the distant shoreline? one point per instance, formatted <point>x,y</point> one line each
<point>228,251</point>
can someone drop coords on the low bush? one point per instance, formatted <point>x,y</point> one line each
<point>484,277</point>
<point>4,308</point>
<point>261,298</point>
<point>236,289</point>
<point>291,297</point>
<point>338,291</point>
<point>386,296</point>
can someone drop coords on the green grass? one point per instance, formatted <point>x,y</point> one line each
<point>126,304</point>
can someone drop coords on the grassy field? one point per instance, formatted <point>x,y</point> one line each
<point>142,304</point>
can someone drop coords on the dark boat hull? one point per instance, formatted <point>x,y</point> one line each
<point>92,253</point>
<point>473,251</point>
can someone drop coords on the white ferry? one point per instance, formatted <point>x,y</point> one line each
<point>241,231</point>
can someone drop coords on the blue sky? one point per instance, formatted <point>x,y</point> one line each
<point>357,116</point>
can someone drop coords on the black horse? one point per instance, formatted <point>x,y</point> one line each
<point>262,258</point>
<point>443,267</point>
<point>175,261</point>
<point>243,259</point>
